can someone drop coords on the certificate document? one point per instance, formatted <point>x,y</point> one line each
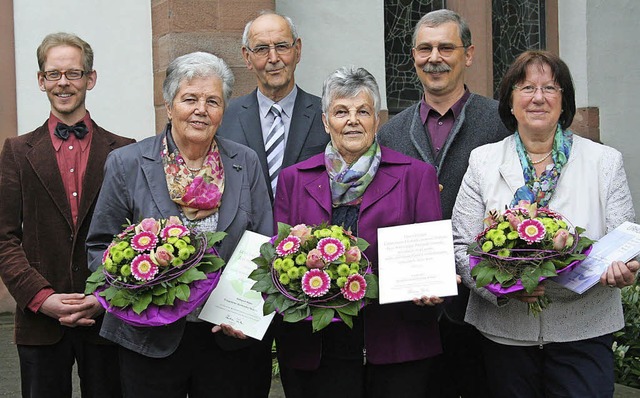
<point>232,301</point>
<point>416,260</point>
<point>621,244</point>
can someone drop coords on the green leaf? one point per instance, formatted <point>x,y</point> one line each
<point>183,292</point>
<point>283,231</point>
<point>503,276</point>
<point>263,285</point>
<point>142,302</point>
<point>321,318</point>
<point>372,286</point>
<point>160,300</point>
<point>267,251</point>
<point>548,269</point>
<point>294,315</point>
<point>159,290</point>
<point>171,295</point>
<point>191,275</point>
<point>259,273</point>
<point>109,293</point>
<point>97,275</point>
<point>214,237</point>
<point>261,262</point>
<point>529,278</point>
<point>346,318</point>
<point>350,309</point>
<point>269,304</point>
<point>362,244</point>
<point>484,275</point>
<point>120,299</point>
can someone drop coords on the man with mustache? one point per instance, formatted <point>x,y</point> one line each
<point>278,120</point>
<point>442,129</point>
<point>50,179</point>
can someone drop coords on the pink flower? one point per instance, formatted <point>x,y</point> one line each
<point>161,256</point>
<point>106,252</point>
<point>126,231</point>
<point>142,268</point>
<point>514,221</point>
<point>353,255</point>
<point>531,231</point>
<point>173,220</point>
<point>560,239</point>
<point>355,287</point>
<point>174,230</point>
<point>201,194</point>
<point>149,225</point>
<point>301,231</point>
<point>314,259</point>
<point>144,241</point>
<point>315,283</point>
<point>288,245</point>
<point>331,248</point>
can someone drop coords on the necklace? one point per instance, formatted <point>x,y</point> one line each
<point>193,170</point>
<point>541,160</point>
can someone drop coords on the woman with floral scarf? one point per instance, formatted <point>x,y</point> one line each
<point>362,186</point>
<point>566,350</point>
<point>212,184</point>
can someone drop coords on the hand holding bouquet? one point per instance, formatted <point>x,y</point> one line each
<point>523,246</point>
<point>314,272</point>
<point>156,272</point>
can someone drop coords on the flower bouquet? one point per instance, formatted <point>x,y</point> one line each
<point>156,272</point>
<point>314,272</point>
<point>523,246</point>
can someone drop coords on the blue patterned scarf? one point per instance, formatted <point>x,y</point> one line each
<point>540,189</point>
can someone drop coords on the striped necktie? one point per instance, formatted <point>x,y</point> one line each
<point>274,146</point>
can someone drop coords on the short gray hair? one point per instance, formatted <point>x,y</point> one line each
<point>439,17</point>
<point>197,64</point>
<point>347,82</point>
<point>247,27</point>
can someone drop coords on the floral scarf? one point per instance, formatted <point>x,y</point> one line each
<point>198,193</point>
<point>348,183</point>
<point>540,189</point>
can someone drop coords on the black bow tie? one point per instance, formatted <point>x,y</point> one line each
<point>63,131</point>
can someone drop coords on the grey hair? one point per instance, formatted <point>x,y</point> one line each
<point>247,27</point>
<point>439,17</point>
<point>347,82</point>
<point>197,64</point>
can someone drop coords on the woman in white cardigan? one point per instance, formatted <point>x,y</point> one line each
<point>566,350</point>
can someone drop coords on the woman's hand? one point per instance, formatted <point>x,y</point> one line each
<point>525,297</point>
<point>620,274</point>
<point>229,331</point>
<point>428,301</point>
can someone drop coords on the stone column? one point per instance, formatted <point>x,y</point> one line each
<point>215,26</point>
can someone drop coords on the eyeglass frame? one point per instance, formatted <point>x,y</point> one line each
<point>448,47</point>
<point>45,73</point>
<point>536,88</point>
<point>286,48</point>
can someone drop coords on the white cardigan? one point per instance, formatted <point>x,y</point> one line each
<point>592,193</point>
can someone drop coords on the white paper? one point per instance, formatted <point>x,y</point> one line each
<point>232,301</point>
<point>621,244</point>
<point>416,260</point>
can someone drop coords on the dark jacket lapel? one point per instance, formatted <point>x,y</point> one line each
<point>301,121</point>
<point>154,173</point>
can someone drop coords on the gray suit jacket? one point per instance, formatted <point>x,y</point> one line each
<point>135,187</point>
<point>307,137</point>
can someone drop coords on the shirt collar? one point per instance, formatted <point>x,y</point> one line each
<point>286,103</point>
<point>57,142</point>
<point>456,108</point>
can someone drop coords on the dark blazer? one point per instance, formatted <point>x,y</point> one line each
<point>403,191</point>
<point>307,137</point>
<point>135,187</point>
<point>39,245</point>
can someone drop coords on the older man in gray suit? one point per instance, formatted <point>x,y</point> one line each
<point>278,120</point>
<point>442,129</point>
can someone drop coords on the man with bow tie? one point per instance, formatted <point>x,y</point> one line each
<point>50,179</point>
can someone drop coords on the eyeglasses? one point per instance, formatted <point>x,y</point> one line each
<point>281,49</point>
<point>55,75</point>
<point>445,50</point>
<point>530,91</point>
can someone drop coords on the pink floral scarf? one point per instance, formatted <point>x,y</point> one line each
<point>198,193</point>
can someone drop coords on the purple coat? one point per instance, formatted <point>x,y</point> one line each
<point>403,191</point>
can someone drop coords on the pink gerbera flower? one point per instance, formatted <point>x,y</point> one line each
<point>331,248</point>
<point>174,230</point>
<point>289,245</point>
<point>531,231</point>
<point>106,252</point>
<point>315,283</point>
<point>355,287</point>
<point>144,240</point>
<point>126,231</point>
<point>142,268</point>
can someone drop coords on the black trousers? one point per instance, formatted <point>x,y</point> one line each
<point>577,369</point>
<point>198,368</point>
<point>350,378</point>
<point>46,370</point>
<point>459,370</point>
